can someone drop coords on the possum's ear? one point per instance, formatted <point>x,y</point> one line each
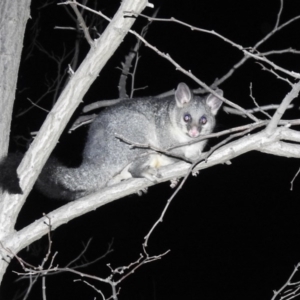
<point>183,94</point>
<point>214,102</point>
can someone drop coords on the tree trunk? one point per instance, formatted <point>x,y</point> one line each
<point>14,16</point>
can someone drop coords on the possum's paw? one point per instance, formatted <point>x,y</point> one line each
<point>174,182</point>
<point>142,191</point>
<point>151,174</point>
<point>195,173</point>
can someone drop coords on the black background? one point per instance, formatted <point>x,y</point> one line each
<point>234,230</point>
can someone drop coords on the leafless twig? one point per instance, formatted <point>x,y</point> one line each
<point>292,182</point>
<point>82,23</point>
<point>289,290</point>
<point>283,107</point>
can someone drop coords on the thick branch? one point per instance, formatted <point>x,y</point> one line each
<point>14,16</point>
<point>283,107</point>
<point>259,141</point>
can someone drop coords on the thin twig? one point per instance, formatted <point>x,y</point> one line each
<point>292,182</point>
<point>255,103</point>
<point>272,52</point>
<point>230,110</point>
<point>82,23</point>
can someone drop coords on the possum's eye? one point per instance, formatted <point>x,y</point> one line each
<point>203,120</point>
<point>187,118</point>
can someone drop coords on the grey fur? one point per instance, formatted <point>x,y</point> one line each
<point>107,159</point>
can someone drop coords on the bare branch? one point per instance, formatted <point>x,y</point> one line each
<point>276,29</point>
<point>257,106</point>
<point>101,103</point>
<point>272,52</point>
<point>240,47</point>
<point>292,182</point>
<point>290,289</point>
<point>264,68</point>
<point>82,23</point>
<point>282,108</point>
<point>230,110</point>
<point>279,14</point>
<point>86,8</point>
<point>193,28</point>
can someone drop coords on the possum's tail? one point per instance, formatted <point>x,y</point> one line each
<point>60,182</point>
<point>55,181</point>
<point>9,180</point>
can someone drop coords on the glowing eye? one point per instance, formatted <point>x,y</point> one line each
<point>187,118</point>
<point>203,120</point>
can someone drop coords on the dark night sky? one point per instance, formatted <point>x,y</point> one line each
<point>234,230</point>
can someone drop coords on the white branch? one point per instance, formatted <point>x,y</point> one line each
<point>259,141</point>
<point>283,107</point>
<point>282,149</point>
<point>269,62</point>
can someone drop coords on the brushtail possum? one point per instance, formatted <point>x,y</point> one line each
<point>107,159</point>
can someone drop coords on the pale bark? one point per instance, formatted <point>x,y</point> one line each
<point>14,16</point>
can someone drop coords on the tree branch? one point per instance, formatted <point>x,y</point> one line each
<point>283,107</point>
<point>259,141</point>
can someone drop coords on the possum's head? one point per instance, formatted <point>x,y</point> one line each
<point>195,115</point>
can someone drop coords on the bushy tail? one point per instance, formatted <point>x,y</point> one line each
<point>9,180</point>
<point>60,182</point>
<point>55,181</point>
